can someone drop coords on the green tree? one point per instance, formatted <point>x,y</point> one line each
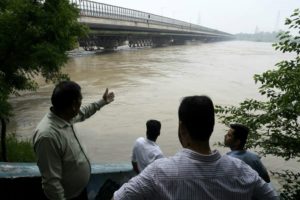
<point>34,38</point>
<point>274,122</point>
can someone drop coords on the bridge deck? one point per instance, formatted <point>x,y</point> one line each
<point>112,25</point>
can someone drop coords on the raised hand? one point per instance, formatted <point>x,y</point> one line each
<point>108,97</point>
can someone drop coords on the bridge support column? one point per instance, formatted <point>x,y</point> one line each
<point>94,42</point>
<point>162,41</point>
<point>139,41</point>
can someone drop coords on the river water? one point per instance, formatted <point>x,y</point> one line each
<point>149,84</point>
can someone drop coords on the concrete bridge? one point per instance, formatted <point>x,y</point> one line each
<point>113,26</point>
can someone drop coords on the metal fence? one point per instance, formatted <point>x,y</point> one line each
<point>101,10</point>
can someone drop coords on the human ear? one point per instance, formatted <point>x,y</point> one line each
<point>182,134</point>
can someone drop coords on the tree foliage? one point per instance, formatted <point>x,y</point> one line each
<point>34,38</point>
<point>274,122</point>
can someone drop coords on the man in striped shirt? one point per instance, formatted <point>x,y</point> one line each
<point>196,172</point>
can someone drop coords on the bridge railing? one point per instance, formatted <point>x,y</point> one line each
<point>101,10</point>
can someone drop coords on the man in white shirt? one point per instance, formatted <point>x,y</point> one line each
<point>145,151</point>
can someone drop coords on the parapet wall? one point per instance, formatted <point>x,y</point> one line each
<point>23,180</point>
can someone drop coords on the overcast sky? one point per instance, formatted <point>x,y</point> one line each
<point>232,16</point>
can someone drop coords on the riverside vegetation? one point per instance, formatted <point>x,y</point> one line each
<point>274,123</point>
<point>34,38</point>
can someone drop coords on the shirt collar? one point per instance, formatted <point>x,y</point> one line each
<point>150,141</point>
<point>214,156</point>
<point>238,151</point>
<point>58,121</point>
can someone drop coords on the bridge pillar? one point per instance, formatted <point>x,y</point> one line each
<point>94,42</point>
<point>139,41</point>
<point>159,41</point>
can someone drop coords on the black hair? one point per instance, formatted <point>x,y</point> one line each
<point>198,116</point>
<point>64,95</point>
<point>241,133</point>
<point>153,129</point>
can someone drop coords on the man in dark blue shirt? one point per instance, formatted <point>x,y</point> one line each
<point>236,139</point>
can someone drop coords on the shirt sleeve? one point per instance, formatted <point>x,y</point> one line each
<point>139,187</point>
<point>88,110</point>
<point>49,163</point>
<point>133,155</point>
<point>261,170</point>
<point>264,191</point>
<point>159,155</point>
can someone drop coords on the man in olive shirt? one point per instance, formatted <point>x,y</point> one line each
<point>62,162</point>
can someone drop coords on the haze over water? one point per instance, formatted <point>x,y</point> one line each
<point>149,84</point>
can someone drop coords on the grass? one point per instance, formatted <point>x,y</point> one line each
<point>19,150</point>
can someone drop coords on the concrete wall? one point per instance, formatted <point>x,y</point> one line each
<point>23,180</point>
